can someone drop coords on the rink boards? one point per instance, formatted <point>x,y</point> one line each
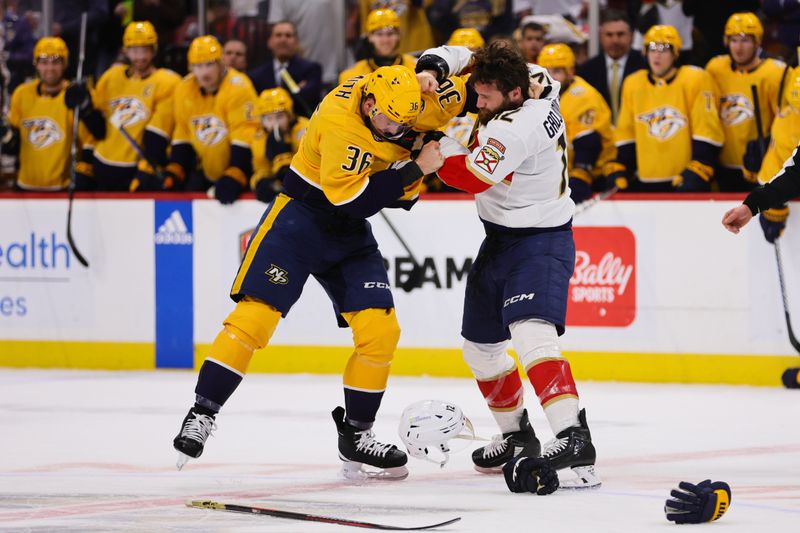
<point>661,292</point>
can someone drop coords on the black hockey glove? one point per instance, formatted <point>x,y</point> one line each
<point>753,158</point>
<point>696,177</point>
<point>580,185</point>
<point>773,222</point>
<point>528,474</point>
<point>615,174</point>
<point>227,190</point>
<point>693,504</point>
<point>77,96</point>
<point>266,189</point>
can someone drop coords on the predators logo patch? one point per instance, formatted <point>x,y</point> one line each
<point>663,122</point>
<point>487,159</point>
<point>127,111</point>
<point>735,109</point>
<point>277,275</point>
<point>209,130</point>
<point>42,132</point>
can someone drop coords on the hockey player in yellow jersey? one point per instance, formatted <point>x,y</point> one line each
<point>39,125</point>
<point>734,74</point>
<point>215,123</point>
<point>668,133</point>
<point>136,97</point>
<point>783,139</point>
<point>417,34</point>
<point>275,142</point>
<point>383,36</point>
<point>354,160</point>
<point>590,140</point>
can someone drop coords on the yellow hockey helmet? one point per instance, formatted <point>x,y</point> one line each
<point>382,18</point>
<point>139,34</point>
<point>397,93</point>
<point>469,37</point>
<point>663,34</point>
<point>793,88</point>
<point>556,56</point>
<point>274,100</point>
<point>50,47</point>
<point>744,24</point>
<point>204,49</point>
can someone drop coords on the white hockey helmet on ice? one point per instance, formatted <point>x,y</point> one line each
<point>427,426</point>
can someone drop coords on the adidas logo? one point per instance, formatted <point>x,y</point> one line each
<point>173,231</point>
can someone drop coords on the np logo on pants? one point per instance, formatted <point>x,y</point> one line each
<point>277,275</point>
<point>518,298</point>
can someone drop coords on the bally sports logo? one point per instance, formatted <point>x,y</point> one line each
<point>602,291</point>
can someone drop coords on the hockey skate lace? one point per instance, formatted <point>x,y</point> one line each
<point>199,428</point>
<point>367,444</point>
<point>554,447</point>
<point>496,447</point>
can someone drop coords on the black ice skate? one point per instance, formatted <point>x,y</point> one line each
<point>195,430</point>
<point>490,458</point>
<point>358,448</point>
<point>573,448</point>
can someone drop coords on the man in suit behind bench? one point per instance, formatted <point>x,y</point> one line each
<point>606,70</point>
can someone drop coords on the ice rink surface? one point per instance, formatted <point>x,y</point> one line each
<point>92,452</point>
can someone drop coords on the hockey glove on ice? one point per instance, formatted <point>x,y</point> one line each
<point>773,222</point>
<point>528,474</point>
<point>580,185</point>
<point>693,504</point>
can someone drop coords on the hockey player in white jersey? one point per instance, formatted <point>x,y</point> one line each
<point>516,165</point>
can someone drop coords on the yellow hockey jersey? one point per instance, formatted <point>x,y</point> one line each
<point>736,107</point>
<point>663,116</point>
<point>785,136</point>
<point>45,130</point>
<point>135,103</point>
<point>266,168</point>
<point>415,33</point>
<point>211,123</point>
<point>585,111</point>
<point>339,152</point>
<point>367,66</point>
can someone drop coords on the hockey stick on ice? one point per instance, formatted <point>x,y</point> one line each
<point>293,515</point>
<point>792,339</point>
<point>74,149</point>
<point>417,274</point>
<point>591,202</point>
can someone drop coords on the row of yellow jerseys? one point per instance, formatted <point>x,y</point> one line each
<point>45,126</point>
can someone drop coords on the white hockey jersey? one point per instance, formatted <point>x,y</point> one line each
<point>517,165</point>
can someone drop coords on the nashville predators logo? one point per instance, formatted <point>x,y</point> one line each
<point>277,275</point>
<point>209,129</point>
<point>42,132</point>
<point>735,109</point>
<point>127,111</point>
<point>664,122</point>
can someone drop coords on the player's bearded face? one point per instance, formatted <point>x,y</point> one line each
<point>141,57</point>
<point>208,75</point>
<point>50,69</point>
<point>491,101</point>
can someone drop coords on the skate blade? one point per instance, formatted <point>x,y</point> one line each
<point>361,472</point>
<point>182,460</point>
<point>586,478</point>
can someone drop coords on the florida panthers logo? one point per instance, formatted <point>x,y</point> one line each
<point>735,109</point>
<point>42,132</point>
<point>127,111</point>
<point>209,129</point>
<point>664,122</point>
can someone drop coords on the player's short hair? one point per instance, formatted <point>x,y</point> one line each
<point>614,15</point>
<point>502,64</point>
<point>533,26</point>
